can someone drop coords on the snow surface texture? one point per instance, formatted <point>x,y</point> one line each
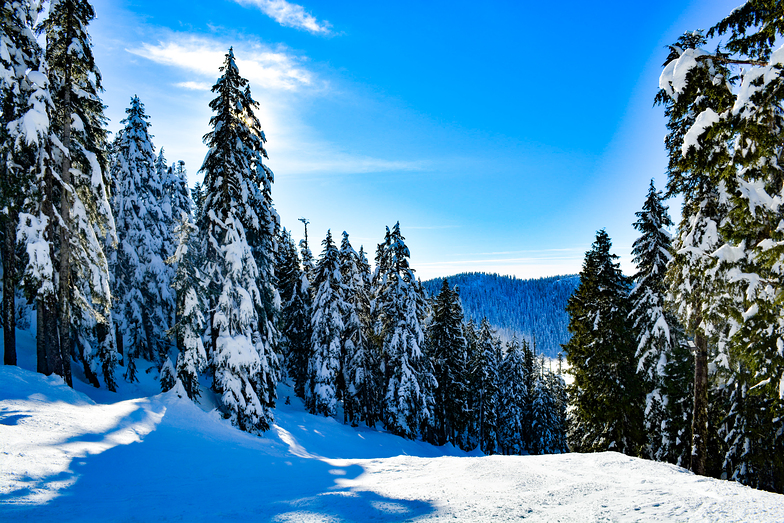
<point>66,457</point>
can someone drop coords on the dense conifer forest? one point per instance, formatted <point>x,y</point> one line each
<point>532,309</point>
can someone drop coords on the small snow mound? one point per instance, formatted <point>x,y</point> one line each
<point>17,383</point>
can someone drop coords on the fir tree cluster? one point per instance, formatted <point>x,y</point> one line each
<point>686,362</point>
<point>124,264</point>
<point>725,122</point>
<point>628,353</point>
<point>102,238</point>
<point>374,346</point>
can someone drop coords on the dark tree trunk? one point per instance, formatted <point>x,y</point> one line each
<point>57,356</point>
<point>118,336</point>
<point>699,428</point>
<point>9,287</point>
<point>40,340</point>
<point>64,288</point>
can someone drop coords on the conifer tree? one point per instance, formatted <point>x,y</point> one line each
<point>168,377</point>
<point>190,290</point>
<point>512,400</point>
<point>544,407</point>
<point>324,368</point>
<point>399,310</point>
<point>235,227</point>
<point>142,281</point>
<point>659,335</point>
<point>607,396</point>
<point>360,362</point>
<point>469,438</point>
<point>176,193</point>
<point>558,389</point>
<point>307,256</point>
<point>197,195</point>
<point>484,386</point>
<point>26,108</point>
<point>85,217</point>
<point>529,380</point>
<point>295,313</point>
<point>447,349</point>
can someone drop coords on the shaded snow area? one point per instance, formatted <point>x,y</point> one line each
<point>66,456</point>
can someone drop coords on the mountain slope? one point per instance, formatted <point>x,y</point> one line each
<point>531,308</point>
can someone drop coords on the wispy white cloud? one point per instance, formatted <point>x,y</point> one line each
<point>262,66</point>
<point>194,86</point>
<point>289,15</point>
<point>274,74</point>
<point>315,160</point>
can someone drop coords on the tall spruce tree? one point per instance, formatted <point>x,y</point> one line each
<point>484,387</point>
<point>295,313</point>
<point>235,224</point>
<point>189,286</point>
<point>360,361</point>
<point>25,110</point>
<point>85,219</point>
<point>399,310</point>
<point>447,349</point>
<point>142,281</point>
<point>660,340</point>
<point>606,394</point>
<point>545,413</point>
<point>513,400</point>
<point>324,368</point>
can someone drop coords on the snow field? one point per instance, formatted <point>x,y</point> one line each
<point>65,457</point>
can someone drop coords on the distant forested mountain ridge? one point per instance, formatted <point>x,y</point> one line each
<point>530,308</point>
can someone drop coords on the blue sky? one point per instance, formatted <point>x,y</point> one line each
<point>502,135</point>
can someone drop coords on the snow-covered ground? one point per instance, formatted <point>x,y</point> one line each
<point>90,455</point>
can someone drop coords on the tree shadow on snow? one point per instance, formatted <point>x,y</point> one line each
<point>173,475</point>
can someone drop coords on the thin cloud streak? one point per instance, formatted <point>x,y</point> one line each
<point>261,66</point>
<point>289,15</point>
<point>500,260</point>
<point>570,249</point>
<point>194,86</point>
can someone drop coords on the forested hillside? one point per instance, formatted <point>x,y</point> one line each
<point>530,308</point>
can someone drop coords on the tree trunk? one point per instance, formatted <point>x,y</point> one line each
<point>699,428</point>
<point>64,303</point>
<point>9,287</point>
<point>56,355</point>
<point>40,340</point>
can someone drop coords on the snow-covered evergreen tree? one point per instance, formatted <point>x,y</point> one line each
<point>544,408</point>
<point>659,335</point>
<point>168,377</point>
<point>324,368</point>
<point>197,196</point>
<point>25,109</point>
<point>190,290</point>
<point>448,352</point>
<point>295,313</point>
<point>84,298</point>
<point>399,312</point>
<point>513,405</point>
<point>142,281</point>
<point>176,191</point>
<point>360,360</point>
<point>484,387</point>
<point>606,394</point>
<point>235,224</point>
